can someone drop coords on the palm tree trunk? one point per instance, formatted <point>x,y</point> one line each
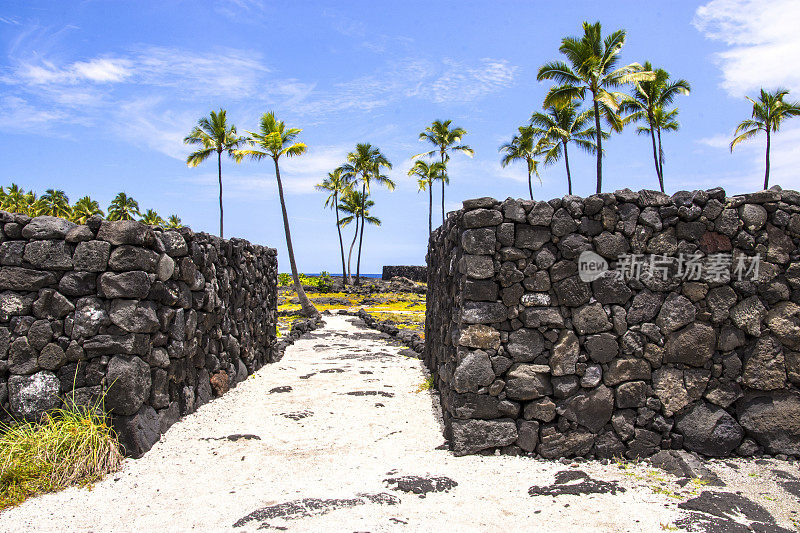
<point>339,230</point>
<point>306,307</point>
<point>566,162</point>
<point>430,207</point>
<point>655,154</point>
<point>219,168</point>
<point>766,174</point>
<point>350,255</point>
<point>530,187</point>
<point>443,169</point>
<point>599,144</point>
<point>361,238</point>
<point>660,158</point>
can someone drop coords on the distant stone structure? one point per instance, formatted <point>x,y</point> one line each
<point>619,324</point>
<point>159,321</point>
<point>415,273</point>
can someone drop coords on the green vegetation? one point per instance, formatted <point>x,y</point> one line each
<point>123,207</point>
<point>362,168</point>
<point>323,282</point>
<point>593,70</point>
<point>335,184</point>
<point>445,140</point>
<point>769,111</point>
<point>557,127</point>
<point>426,174</point>
<point>71,446</point>
<point>403,310</point>
<point>213,134</point>
<point>425,385</point>
<point>55,203</point>
<point>521,148</point>
<point>648,104</point>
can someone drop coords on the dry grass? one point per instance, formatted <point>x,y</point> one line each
<point>72,446</point>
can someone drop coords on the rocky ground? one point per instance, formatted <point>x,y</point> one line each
<point>341,436</point>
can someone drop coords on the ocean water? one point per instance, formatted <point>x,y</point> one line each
<point>339,275</point>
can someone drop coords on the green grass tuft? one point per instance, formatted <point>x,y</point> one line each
<point>72,446</point>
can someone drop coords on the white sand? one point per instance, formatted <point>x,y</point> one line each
<point>347,447</point>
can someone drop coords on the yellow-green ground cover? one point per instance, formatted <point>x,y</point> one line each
<point>403,309</point>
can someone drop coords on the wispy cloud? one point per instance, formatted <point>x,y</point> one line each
<point>716,141</point>
<point>10,20</point>
<point>442,82</point>
<point>763,41</point>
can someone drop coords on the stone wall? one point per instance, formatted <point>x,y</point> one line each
<point>158,321</point>
<point>415,273</point>
<point>530,358</point>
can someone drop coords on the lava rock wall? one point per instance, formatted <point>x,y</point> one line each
<point>160,322</point>
<point>414,273</point>
<point>695,350</point>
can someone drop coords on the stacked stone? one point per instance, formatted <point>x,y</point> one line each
<point>158,321</point>
<point>531,359</point>
<point>414,273</point>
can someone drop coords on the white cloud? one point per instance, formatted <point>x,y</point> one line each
<point>16,114</point>
<point>463,83</point>
<point>716,141</point>
<point>99,70</point>
<point>763,44</point>
<point>446,81</point>
<point>151,122</point>
<point>763,40</point>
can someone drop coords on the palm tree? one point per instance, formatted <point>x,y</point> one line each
<point>445,140</point>
<point>36,206</point>
<point>274,140</point>
<point>150,217</point>
<point>521,148</point>
<point>173,222</point>
<point>15,201</point>
<point>560,125</point>
<point>426,174</point>
<point>768,113</point>
<point>214,135</point>
<point>366,161</point>
<point>593,61</point>
<point>649,98</point>
<point>336,183</point>
<point>56,203</point>
<point>661,121</point>
<point>357,207</point>
<point>85,208</point>
<point>123,207</point>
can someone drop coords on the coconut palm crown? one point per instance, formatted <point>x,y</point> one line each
<point>123,207</point>
<point>523,148</point>
<point>84,209</point>
<point>336,184</point>
<point>650,98</point>
<point>214,134</point>
<point>363,167</point>
<point>560,125</point>
<point>769,112</point>
<point>592,69</point>
<point>426,174</point>
<point>445,140</point>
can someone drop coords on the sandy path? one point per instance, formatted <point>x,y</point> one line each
<point>322,457</point>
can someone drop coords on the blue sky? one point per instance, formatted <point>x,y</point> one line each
<point>96,97</point>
